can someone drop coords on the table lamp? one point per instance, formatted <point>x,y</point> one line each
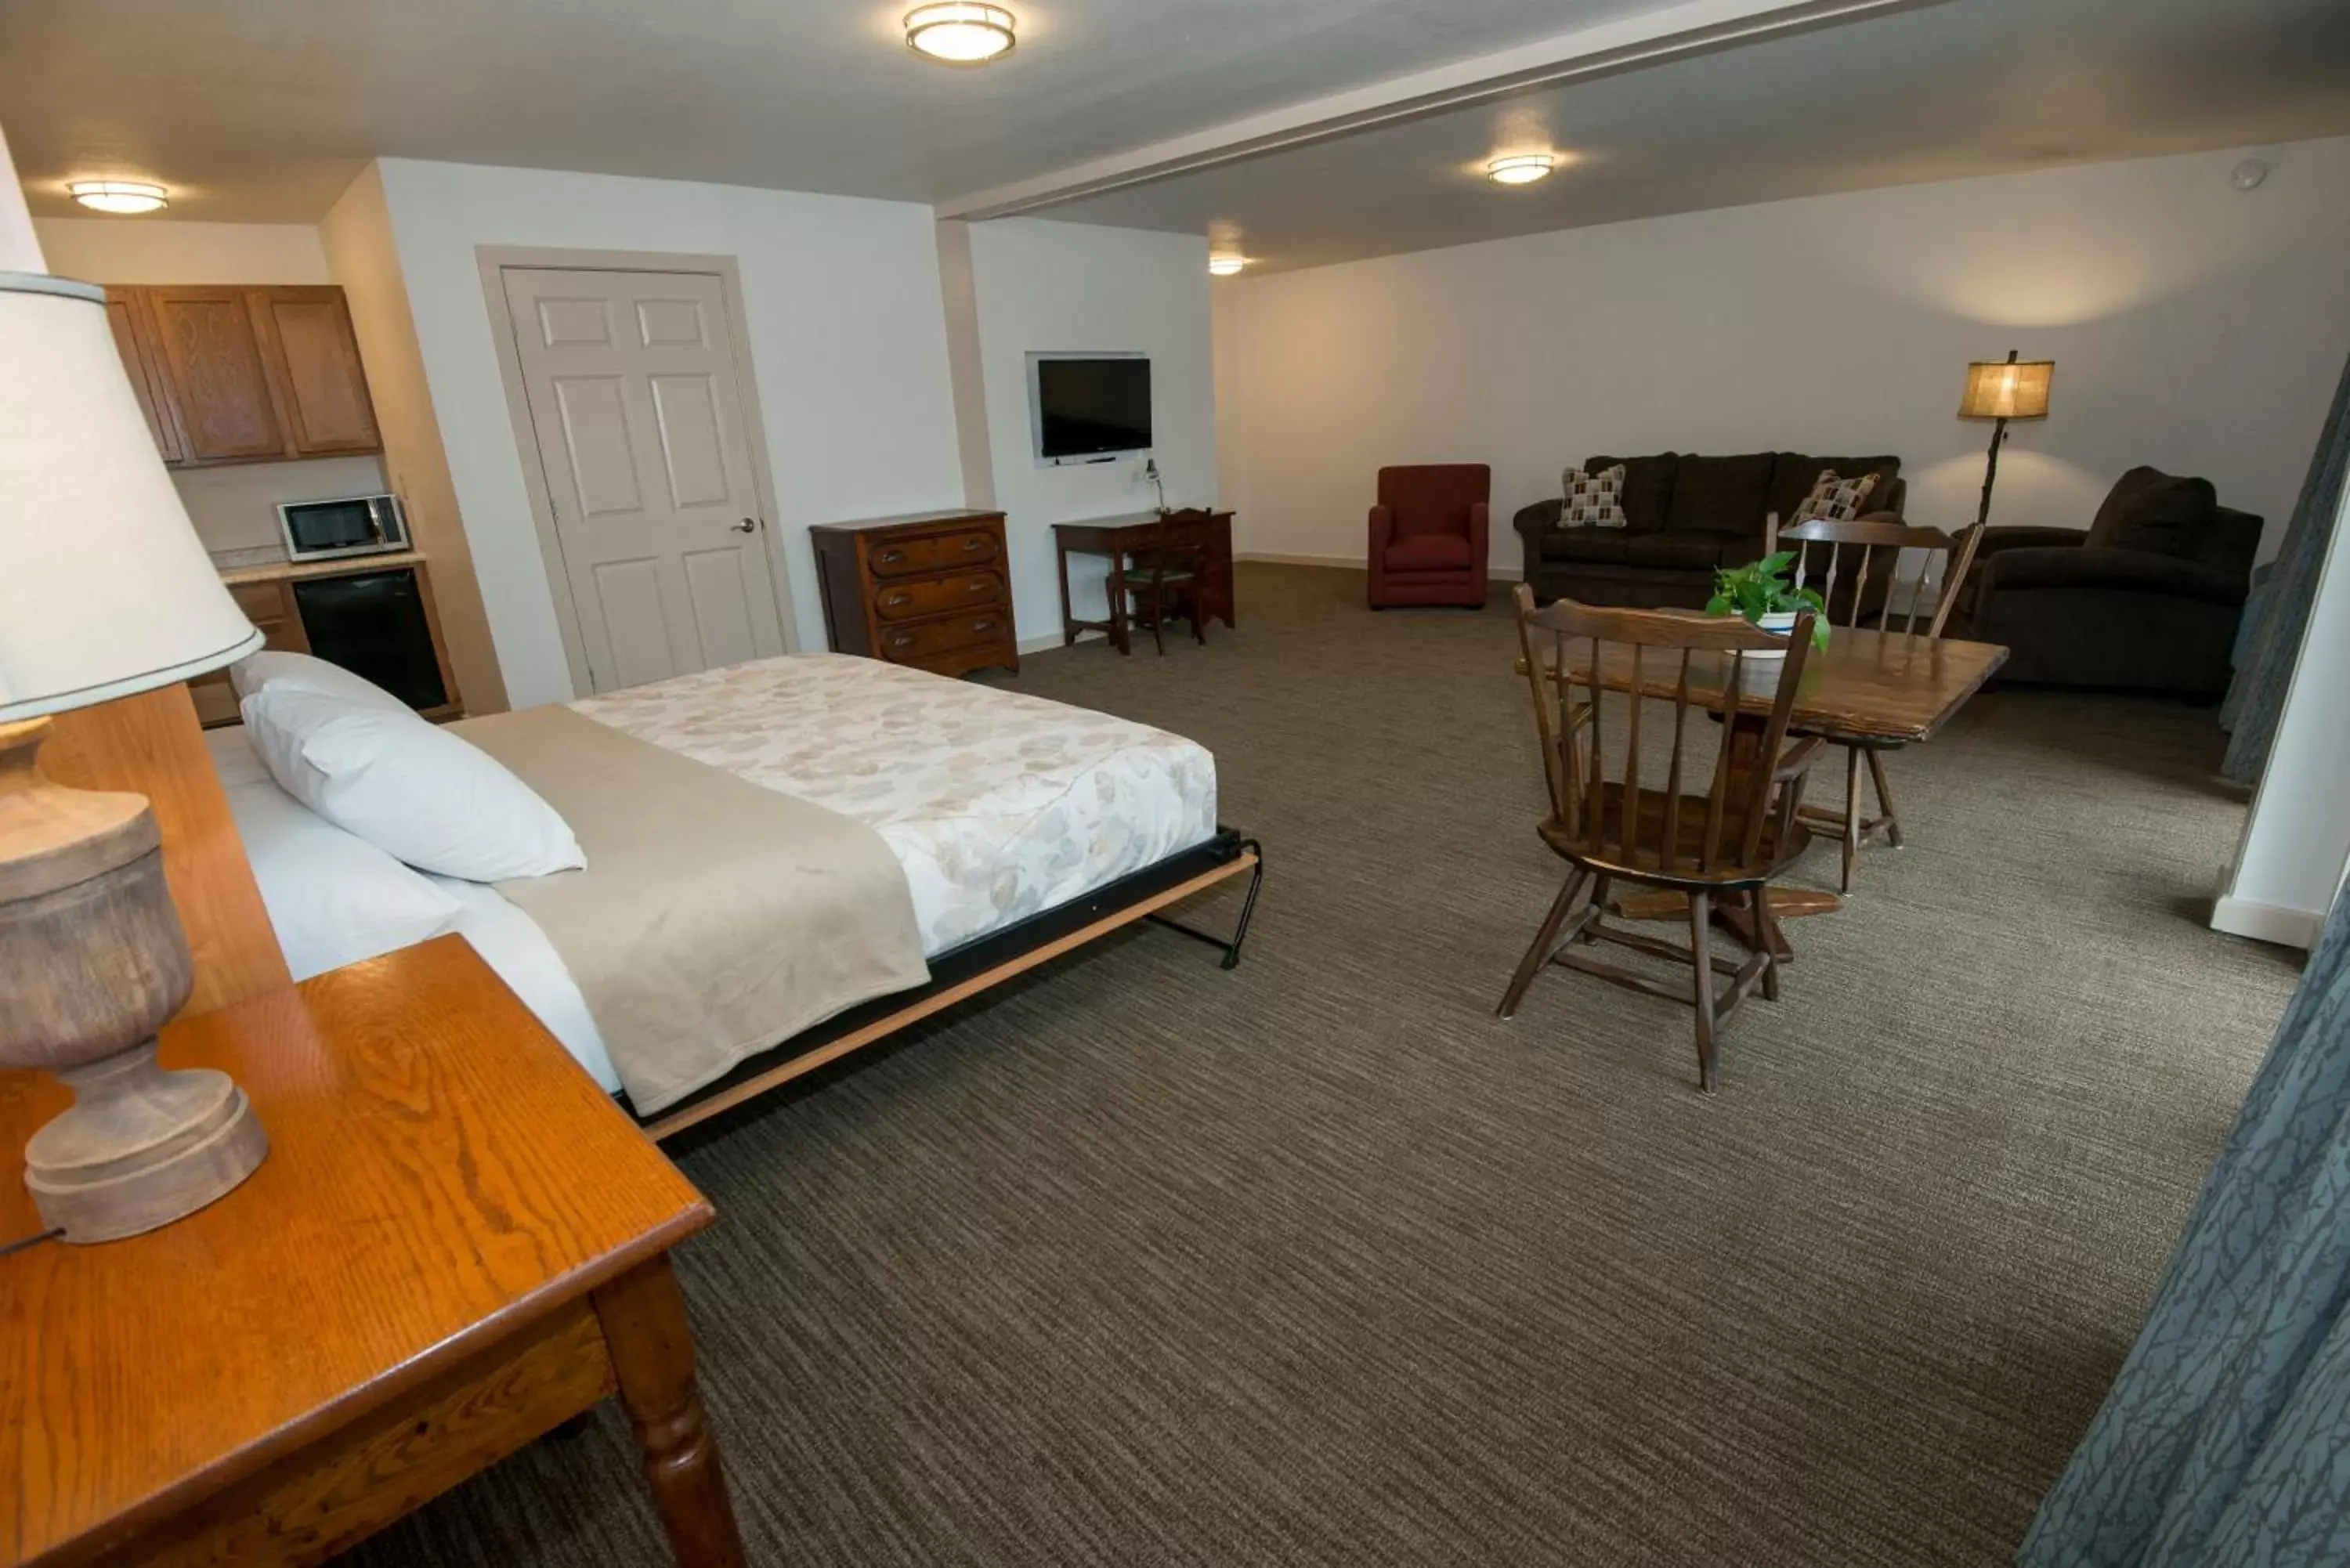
<point>2003,389</point>
<point>105,591</point>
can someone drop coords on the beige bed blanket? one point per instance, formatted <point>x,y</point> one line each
<point>714,918</point>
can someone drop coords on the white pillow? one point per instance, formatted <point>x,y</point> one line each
<point>409,788</point>
<point>271,668</point>
<point>332,899</point>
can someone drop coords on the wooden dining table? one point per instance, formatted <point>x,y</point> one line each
<point>1866,685</point>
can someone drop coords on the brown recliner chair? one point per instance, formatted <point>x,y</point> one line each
<point>2147,600</point>
<point>1428,536</point>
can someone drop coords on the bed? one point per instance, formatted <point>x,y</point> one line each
<point>1022,828</point>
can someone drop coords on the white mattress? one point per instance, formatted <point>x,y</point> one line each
<point>996,805</point>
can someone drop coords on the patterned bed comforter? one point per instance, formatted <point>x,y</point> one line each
<point>998,806</point>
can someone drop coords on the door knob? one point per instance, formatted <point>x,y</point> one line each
<point>748,526</point>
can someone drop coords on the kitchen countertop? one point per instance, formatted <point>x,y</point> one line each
<point>283,570</point>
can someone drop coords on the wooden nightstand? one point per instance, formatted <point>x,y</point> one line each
<point>456,1243</point>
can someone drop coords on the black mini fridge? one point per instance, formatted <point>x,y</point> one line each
<point>373,624</point>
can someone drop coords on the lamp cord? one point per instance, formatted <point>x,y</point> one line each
<point>22,1242</point>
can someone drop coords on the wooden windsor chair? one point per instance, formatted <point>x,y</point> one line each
<point>1725,842</point>
<point>1162,573</point>
<point>1849,604</point>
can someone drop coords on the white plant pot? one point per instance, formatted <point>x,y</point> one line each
<point>1781,622</point>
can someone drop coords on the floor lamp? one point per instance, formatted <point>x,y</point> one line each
<point>105,592</point>
<point>2003,389</point>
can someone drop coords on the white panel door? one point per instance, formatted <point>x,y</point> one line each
<point>630,378</point>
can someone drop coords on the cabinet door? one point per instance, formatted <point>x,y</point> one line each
<point>313,360</point>
<point>211,366</point>
<point>133,342</point>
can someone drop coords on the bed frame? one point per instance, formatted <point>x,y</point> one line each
<point>988,960</point>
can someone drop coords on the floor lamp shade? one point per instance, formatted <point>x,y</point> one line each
<point>105,589</point>
<point>2007,389</point>
<point>1999,390</point>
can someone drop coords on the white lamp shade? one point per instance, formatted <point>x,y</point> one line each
<point>105,589</point>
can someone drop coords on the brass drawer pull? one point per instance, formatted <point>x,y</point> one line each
<point>890,558</point>
<point>974,543</point>
<point>891,601</point>
<point>903,640</point>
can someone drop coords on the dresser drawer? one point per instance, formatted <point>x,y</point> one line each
<point>932,553</point>
<point>918,640</point>
<point>909,601</point>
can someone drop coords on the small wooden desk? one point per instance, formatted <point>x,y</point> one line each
<point>1117,538</point>
<point>456,1243</point>
<point>1867,685</point>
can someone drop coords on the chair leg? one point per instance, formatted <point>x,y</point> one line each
<point>1766,926</point>
<point>1545,939</point>
<point>1599,908</point>
<point>1158,620</point>
<point>1851,815</point>
<point>1700,910</point>
<point>1885,799</point>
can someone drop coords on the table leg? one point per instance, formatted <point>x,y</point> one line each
<point>1115,584</point>
<point>1745,743</point>
<point>1068,621</point>
<point>652,1347</point>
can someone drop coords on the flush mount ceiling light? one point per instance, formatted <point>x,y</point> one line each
<point>118,195</point>
<point>1226,266</point>
<point>960,32</point>
<point>1524,168</point>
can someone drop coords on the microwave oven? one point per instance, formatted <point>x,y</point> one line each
<point>350,526</point>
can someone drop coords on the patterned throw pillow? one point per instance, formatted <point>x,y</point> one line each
<point>1835,499</point>
<point>1593,500</point>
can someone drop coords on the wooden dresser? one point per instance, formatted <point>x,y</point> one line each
<point>930,589</point>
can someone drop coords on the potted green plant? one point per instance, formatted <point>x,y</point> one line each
<point>1762,594</point>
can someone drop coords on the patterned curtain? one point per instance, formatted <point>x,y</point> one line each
<point>2226,1438</point>
<point>2256,696</point>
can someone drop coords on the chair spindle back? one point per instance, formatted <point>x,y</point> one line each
<point>1573,652</point>
<point>1826,548</point>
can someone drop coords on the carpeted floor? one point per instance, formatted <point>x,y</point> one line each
<point>1317,1263</point>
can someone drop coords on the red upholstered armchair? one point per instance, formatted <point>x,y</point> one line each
<point>1428,536</point>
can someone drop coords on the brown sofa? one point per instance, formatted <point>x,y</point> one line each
<point>2147,600</point>
<point>1687,516</point>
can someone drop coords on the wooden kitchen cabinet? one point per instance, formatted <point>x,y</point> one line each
<point>133,340</point>
<point>212,376</point>
<point>313,360</point>
<point>270,608</point>
<point>244,374</point>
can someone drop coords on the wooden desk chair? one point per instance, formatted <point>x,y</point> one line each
<point>1163,575</point>
<point>1824,552</point>
<point>1725,842</point>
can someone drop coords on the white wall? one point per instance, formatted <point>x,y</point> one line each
<point>2290,862</point>
<point>1050,287</point>
<point>2194,327</point>
<point>847,347</point>
<point>166,250</point>
<point>234,505</point>
<point>357,235</point>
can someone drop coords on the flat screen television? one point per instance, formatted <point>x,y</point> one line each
<point>1089,405</point>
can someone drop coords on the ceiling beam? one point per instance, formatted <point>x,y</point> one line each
<point>1689,27</point>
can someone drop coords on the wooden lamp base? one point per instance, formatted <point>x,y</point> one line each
<point>93,962</point>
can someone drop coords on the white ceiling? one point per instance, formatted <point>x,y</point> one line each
<point>1944,91</point>
<point>263,110</point>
